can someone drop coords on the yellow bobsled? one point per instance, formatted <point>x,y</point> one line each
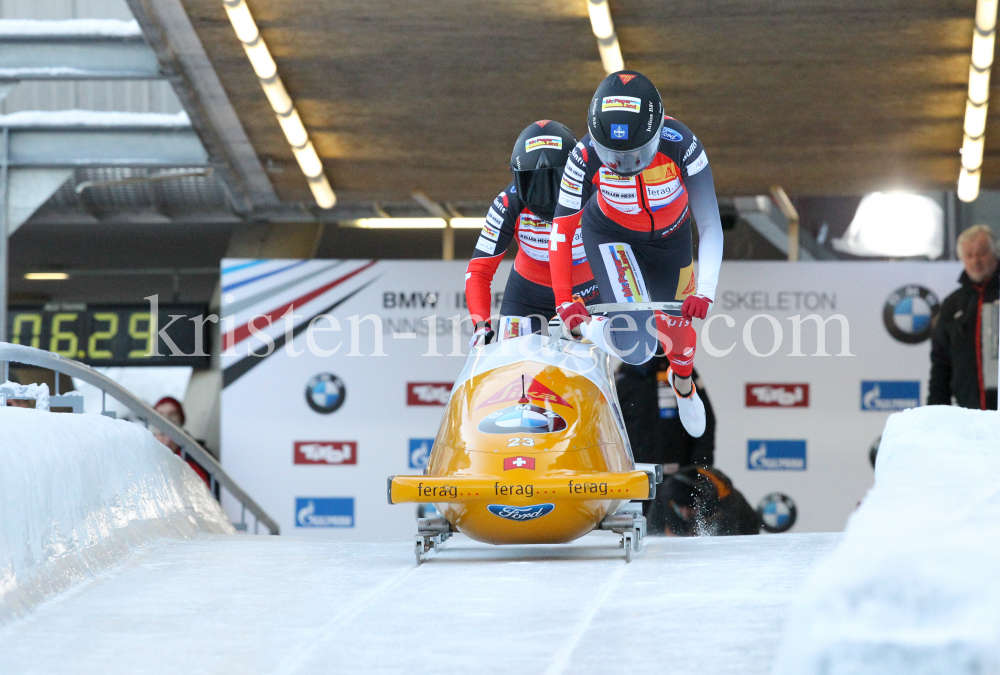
<point>532,450</point>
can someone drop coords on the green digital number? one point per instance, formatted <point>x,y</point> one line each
<point>58,335</point>
<point>36,328</point>
<point>148,335</point>
<point>92,351</point>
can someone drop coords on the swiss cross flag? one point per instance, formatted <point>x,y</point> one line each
<point>518,463</point>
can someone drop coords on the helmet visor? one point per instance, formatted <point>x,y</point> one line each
<point>539,188</point>
<point>629,162</point>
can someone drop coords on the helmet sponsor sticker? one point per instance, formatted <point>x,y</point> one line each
<point>539,142</point>
<point>522,418</point>
<point>669,134</point>
<point>697,165</point>
<point>619,132</point>
<point>626,78</point>
<point>521,513</point>
<point>629,103</point>
<point>515,390</point>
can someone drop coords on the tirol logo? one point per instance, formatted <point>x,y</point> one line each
<point>325,393</point>
<point>777,512</point>
<point>428,393</point>
<point>776,455</point>
<point>324,512</point>
<point>522,419</point>
<point>777,395</point>
<point>889,396</point>
<point>514,391</point>
<point>326,452</point>
<point>420,452</point>
<point>908,312</point>
<point>521,513</point>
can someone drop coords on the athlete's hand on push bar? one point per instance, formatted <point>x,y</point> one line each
<point>573,314</point>
<point>695,307</point>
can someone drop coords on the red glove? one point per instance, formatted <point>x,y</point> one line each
<point>695,307</point>
<point>573,314</point>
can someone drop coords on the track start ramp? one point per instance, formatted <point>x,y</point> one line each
<point>276,605</point>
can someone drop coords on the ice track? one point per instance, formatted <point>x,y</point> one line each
<point>248,605</point>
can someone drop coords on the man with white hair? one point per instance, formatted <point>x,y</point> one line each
<point>964,342</point>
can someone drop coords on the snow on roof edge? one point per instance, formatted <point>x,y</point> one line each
<point>93,118</point>
<point>69,27</point>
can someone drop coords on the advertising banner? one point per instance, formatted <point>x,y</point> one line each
<point>336,374</point>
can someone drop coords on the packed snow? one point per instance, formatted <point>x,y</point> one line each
<point>22,28</point>
<point>914,586</point>
<point>79,494</point>
<point>93,118</point>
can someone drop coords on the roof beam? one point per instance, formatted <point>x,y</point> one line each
<point>79,49</point>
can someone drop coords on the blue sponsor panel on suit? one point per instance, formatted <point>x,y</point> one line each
<point>889,395</point>
<point>776,455</point>
<point>324,512</point>
<point>420,452</point>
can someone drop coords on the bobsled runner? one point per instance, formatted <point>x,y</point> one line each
<point>532,449</point>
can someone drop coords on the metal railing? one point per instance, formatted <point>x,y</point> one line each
<point>189,447</point>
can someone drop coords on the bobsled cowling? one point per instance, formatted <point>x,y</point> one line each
<point>532,447</point>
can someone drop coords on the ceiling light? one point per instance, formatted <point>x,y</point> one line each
<point>983,39</point>
<point>46,276</point>
<point>282,104</point>
<point>604,30</point>
<point>468,223</point>
<point>895,225</point>
<point>418,223</point>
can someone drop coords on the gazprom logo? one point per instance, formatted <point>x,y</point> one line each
<point>521,513</point>
<point>324,512</point>
<point>770,455</point>
<point>889,396</point>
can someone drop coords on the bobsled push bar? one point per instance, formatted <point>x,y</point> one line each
<point>466,489</point>
<point>634,307</point>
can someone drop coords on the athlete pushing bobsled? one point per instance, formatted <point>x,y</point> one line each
<point>629,191</point>
<point>524,210</point>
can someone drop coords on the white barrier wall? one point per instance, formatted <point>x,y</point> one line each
<point>313,429</point>
<point>79,493</point>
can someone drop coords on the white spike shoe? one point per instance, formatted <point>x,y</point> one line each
<point>690,408</point>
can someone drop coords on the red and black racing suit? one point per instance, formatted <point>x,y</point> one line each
<point>529,287</point>
<point>636,233</point>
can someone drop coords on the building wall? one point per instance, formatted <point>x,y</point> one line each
<point>118,95</point>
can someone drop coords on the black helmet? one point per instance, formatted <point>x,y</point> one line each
<point>537,163</point>
<point>626,117</point>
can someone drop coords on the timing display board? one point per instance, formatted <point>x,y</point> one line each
<point>113,335</point>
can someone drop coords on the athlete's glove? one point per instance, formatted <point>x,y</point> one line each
<point>573,314</point>
<point>695,307</point>
<point>484,334</point>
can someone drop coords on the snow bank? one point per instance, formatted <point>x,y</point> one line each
<point>79,493</point>
<point>69,28</point>
<point>915,585</point>
<point>93,118</point>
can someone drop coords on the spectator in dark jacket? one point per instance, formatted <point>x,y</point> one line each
<point>173,410</point>
<point>649,408</point>
<point>964,342</point>
<point>700,501</point>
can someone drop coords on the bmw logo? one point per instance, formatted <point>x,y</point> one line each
<point>522,419</point>
<point>777,512</point>
<point>325,393</point>
<point>908,312</point>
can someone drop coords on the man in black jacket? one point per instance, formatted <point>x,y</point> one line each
<point>964,342</point>
<point>649,409</point>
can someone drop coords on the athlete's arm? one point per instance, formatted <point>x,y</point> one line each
<point>697,177</point>
<point>494,240</point>
<point>575,190</point>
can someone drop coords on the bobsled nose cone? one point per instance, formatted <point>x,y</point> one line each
<point>691,410</point>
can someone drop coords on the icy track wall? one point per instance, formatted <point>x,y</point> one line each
<point>79,493</point>
<point>914,586</point>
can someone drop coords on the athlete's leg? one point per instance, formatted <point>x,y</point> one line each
<point>528,299</point>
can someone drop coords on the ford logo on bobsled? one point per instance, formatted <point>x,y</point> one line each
<point>522,419</point>
<point>521,512</point>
